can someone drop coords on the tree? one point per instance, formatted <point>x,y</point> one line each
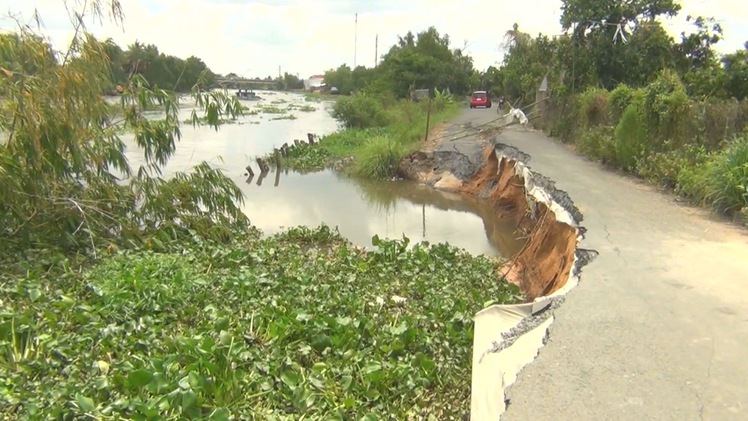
<point>64,179</point>
<point>424,61</point>
<point>736,73</point>
<point>525,64</point>
<point>697,49</point>
<point>697,61</point>
<point>340,78</point>
<point>599,28</point>
<point>292,81</point>
<point>604,15</point>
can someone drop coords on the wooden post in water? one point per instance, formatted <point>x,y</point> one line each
<point>284,150</point>
<point>277,155</point>
<point>428,120</point>
<point>423,213</point>
<point>277,175</point>
<point>263,166</point>
<point>297,142</point>
<point>261,177</point>
<point>249,170</point>
<point>311,138</point>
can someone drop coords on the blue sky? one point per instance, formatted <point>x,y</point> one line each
<point>305,37</point>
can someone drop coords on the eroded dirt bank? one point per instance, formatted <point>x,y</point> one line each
<point>507,338</point>
<point>499,174</point>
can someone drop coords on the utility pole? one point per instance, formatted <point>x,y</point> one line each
<point>376,54</point>
<point>355,40</point>
<point>279,72</point>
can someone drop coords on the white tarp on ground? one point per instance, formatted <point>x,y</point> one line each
<point>493,372</point>
<point>508,337</point>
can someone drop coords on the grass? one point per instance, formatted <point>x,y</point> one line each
<point>379,157</point>
<point>300,324</point>
<point>375,151</point>
<point>722,180</point>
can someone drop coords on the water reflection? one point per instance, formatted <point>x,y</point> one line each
<point>237,144</point>
<point>361,208</point>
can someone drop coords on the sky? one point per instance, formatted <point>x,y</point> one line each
<point>307,37</point>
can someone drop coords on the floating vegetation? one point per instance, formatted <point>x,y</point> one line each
<point>300,324</point>
<point>285,117</point>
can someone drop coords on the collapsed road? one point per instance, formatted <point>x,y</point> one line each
<point>658,325</point>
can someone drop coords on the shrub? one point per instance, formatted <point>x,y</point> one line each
<point>407,113</point>
<point>593,107</point>
<point>620,98</point>
<point>561,118</point>
<point>719,120</point>
<point>629,139</point>
<point>597,144</point>
<point>360,112</point>
<point>723,182</point>
<point>665,109</point>
<point>665,168</point>
<point>66,182</point>
<point>380,157</point>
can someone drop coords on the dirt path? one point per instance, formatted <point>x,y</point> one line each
<point>658,327</point>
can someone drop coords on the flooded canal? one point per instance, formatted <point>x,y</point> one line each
<point>359,208</point>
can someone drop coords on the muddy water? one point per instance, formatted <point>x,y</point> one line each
<point>359,208</point>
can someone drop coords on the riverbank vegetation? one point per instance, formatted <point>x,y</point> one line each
<point>380,120</point>
<point>426,60</point>
<point>160,70</point>
<point>127,295</point>
<point>379,131</point>
<point>672,112</point>
<point>301,323</point>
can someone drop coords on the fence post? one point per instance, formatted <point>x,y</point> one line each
<point>541,96</point>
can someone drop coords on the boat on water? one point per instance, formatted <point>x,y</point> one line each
<point>247,94</point>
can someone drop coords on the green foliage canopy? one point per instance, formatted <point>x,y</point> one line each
<point>65,181</point>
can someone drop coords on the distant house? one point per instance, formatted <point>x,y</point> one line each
<point>315,83</point>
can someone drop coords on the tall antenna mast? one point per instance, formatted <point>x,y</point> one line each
<point>355,41</point>
<point>376,54</point>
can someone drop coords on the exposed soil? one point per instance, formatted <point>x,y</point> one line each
<point>543,266</point>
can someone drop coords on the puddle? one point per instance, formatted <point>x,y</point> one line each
<point>359,208</point>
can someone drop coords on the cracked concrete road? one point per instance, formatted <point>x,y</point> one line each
<point>658,326</point>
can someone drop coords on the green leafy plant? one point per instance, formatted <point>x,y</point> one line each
<point>723,181</point>
<point>360,111</point>
<point>629,139</point>
<point>375,151</point>
<point>667,168</point>
<point>300,324</point>
<point>594,108</point>
<point>66,182</point>
<point>597,144</point>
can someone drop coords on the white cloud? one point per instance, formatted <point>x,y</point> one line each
<point>307,37</point>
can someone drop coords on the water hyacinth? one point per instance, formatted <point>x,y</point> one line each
<point>279,328</point>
